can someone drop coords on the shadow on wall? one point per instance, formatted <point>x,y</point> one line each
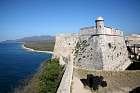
<point>136,90</point>
<point>93,82</point>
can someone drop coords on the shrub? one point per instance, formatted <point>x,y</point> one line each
<point>46,80</point>
<point>50,76</point>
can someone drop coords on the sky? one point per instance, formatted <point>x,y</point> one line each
<point>22,18</point>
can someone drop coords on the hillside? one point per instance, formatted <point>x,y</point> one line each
<point>37,38</point>
<point>42,43</point>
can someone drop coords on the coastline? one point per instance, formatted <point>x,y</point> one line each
<point>29,49</point>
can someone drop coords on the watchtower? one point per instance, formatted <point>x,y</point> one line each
<point>99,25</point>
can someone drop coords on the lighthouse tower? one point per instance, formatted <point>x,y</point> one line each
<point>99,25</point>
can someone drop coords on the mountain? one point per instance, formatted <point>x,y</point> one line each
<point>37,38</point>
<point>9,41</point>
<point>32,39</point>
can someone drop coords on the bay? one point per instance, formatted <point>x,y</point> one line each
<point>17,64</point>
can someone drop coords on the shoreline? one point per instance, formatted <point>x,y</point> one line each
<point>30,49</point>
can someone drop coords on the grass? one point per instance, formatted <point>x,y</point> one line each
<point>46,80</point>
<point>40,45</point>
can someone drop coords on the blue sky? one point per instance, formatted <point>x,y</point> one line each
<point>21,18</point>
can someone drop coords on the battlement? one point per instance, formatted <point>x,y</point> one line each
<point>112,31</point>
<point>93,31</point>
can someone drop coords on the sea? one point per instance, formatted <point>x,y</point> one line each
<point>18,65</point>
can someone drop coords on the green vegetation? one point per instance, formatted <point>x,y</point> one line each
<point>46,80</point>
<point>50,77</point>
<point>40,45</point>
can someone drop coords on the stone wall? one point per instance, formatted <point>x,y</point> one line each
<point>115,54</point>
<point>96,47</point>
<point>106,30</point>
<point>87,30</point>
<point>65,84</point>
<point>101,52</point>
<point>90,50</point>
<point>94,51</point>
<point>88,53</point>
<point>64,49</point>
<point>65,45</point>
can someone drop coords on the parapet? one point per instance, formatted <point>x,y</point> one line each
<point>112,31</point>
<point>106,31</point>
<point>67,34</point>
<point>88,30</point>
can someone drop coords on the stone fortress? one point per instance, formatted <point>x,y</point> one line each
<point>97,48</point>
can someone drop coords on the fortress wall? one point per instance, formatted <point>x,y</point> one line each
<point>87,31</point>
<point>64,48</point>
<point>65,45</point>
<point>112,31</point>
<point>107,30</point>
<point>99,48</point>
<point>115,54</point>
<point>88,53</point>
<point>103,52</point>
<point>93,31</point>
<point>100,52</point>
<point>65,84</point>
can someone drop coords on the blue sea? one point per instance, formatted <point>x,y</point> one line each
<point>17,64</point>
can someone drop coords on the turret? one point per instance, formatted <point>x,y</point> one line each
<point>100,25</point>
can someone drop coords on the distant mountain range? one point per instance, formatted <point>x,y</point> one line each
<point>32,39</point>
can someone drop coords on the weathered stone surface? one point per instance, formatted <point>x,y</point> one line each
<point>97,47</point>
<point>65,84</point>
<point>65,45</point>
<point>88,53</point>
